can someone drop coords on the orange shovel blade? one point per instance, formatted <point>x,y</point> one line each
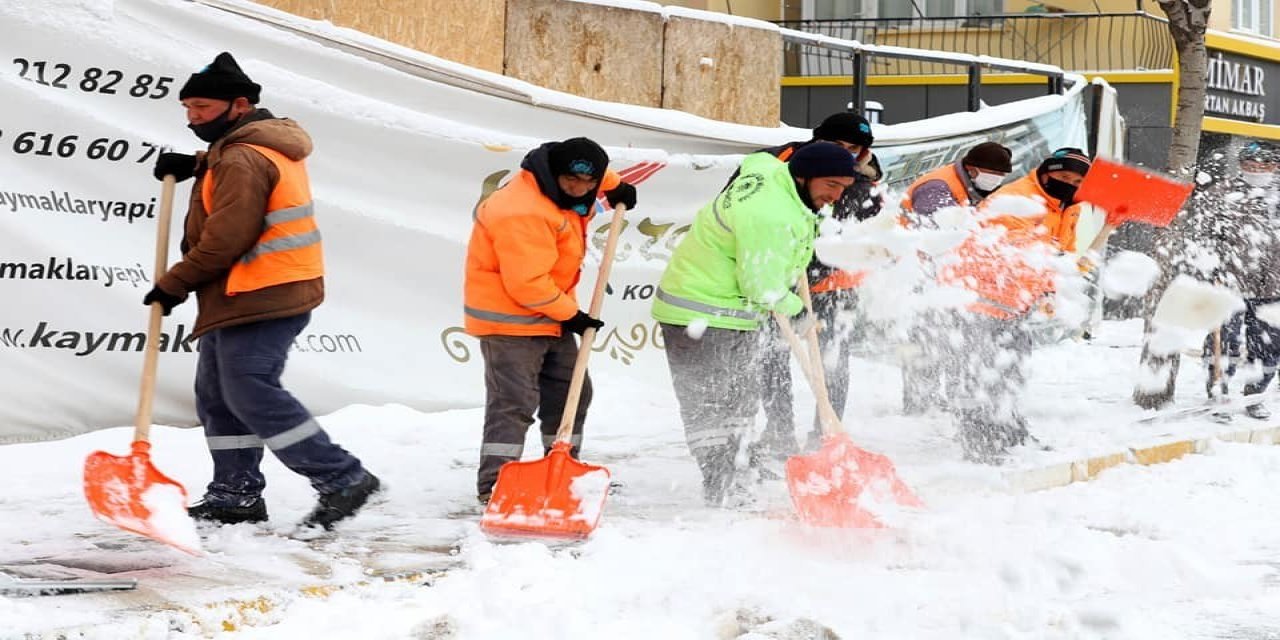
<point>129,492</point>
<point>841,485</point>
<point>555,497</point>
<point>1132,194</point>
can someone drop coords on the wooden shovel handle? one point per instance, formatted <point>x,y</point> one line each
<point>565,431</point>
<point>1100,240</point>
<point>812,364</point>
<point>151,355</point>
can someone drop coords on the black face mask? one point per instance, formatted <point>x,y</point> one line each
<point>1060,190</point>
<point>215,128</point>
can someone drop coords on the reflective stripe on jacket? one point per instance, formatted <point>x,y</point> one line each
<point>743,254</point>
<point>523,261</point>
<point>289,249</point>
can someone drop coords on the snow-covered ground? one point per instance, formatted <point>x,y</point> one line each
<point>1180,550</point>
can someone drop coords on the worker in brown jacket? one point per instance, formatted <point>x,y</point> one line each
<point>251,253</point>
<point>523,264</point>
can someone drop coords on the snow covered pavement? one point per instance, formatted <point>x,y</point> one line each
<point>1179,550</point>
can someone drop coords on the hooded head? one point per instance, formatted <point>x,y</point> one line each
<point>822,172</point>
<point>569,172</point>
<point>221,81</point>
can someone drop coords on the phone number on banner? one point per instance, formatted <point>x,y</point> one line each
<point>93,79</point>
<point>39,143</point>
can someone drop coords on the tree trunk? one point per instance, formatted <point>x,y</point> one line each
<point>1188,20</point>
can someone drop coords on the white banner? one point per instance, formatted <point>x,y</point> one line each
<point>401,161</point>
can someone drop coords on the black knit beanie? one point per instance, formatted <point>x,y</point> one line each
<point>991,156</point>
<point>1066,159</point>
<point>822,160</point>
<point>578,155</point>
<point>221,80</point>
<point>845,127</point>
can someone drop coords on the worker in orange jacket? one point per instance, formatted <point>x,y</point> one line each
<point>1011,281</point>
<point>1053,184</point>
<point>963,183</point>
<point>523,264</point>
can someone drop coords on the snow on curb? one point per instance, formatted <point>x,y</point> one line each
<point>228,615</point>
<point>1063,474</point>
<point>265,609</point>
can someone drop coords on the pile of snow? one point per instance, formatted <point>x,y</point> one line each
<point>1128,273</point>
<point>1195,305</point>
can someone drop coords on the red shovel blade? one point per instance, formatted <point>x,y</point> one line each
<point>842,484</point>
<point>1132,194</point>
<point>555,497</point>
<point>129,492</point>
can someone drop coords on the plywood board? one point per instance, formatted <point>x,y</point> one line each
<point>595,51</point>
<point>467,32</point>
<point>722,71</point>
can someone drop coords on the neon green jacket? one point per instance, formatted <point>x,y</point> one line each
<point>744,253</point>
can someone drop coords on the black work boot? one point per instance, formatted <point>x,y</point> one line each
<point>341,505</point>
<point>1258,411</point>
<point>255,511</point>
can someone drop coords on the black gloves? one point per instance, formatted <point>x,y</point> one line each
<point>624,193</point>
<point>580,322</point>
<point>166,299</point>
<point>179,165</point>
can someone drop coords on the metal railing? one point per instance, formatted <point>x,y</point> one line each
<point>1071,41</point>
<point>859,56</point>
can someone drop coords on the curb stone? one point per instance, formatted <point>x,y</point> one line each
<point>1065,473</point>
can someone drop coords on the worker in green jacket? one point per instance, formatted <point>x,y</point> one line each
<point>736,265</point>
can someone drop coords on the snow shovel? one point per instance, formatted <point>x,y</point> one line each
<point>1130,194</point>
<point>557,497</point>
<point>842,485</point>
<point>128,491</point>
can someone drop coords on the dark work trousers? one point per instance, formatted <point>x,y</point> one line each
<point>836,338</point>
<point>933,372</point>
<point>1261,342</point>
<point>716,383</point>
<point>992,374</point>
<point>774,356</point>
<point>243,407</point>
<point>524,375</point>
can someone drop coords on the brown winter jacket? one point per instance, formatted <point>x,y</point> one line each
<point>213,241</point>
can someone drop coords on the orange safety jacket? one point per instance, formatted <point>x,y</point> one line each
<point>1006,284</point>
<point>289,248</point>
<point>1058,222</point>
<point>524,261</point>
<point>839,280</point>
<point>947,174</point>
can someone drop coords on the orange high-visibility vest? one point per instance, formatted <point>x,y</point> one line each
<point>1058,224</point>
<point>289,248</point>
<point>949,174</point>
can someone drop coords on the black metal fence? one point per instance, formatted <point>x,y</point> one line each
<point>1072,41</point>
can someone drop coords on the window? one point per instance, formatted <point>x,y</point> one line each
<point>849,9</point>
<point>1253,16</point>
